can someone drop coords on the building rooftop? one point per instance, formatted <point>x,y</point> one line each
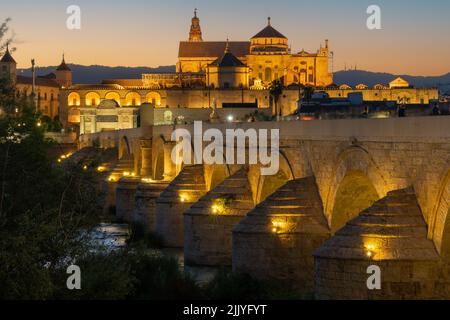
<point>7,57</point>
<point>269,32</point>
<point>228,59</point>
<point>44,81</point>
<point>213,49</point>
<point>63,66</point>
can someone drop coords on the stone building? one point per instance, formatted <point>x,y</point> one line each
<point>214,73</point>
<point>47,87</point>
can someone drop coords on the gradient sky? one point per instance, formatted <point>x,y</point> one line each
<point>414,39</point>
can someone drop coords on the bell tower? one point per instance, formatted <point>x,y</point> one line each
<point>8,67</point>
<point>64,74</point>
<point>195,35</point>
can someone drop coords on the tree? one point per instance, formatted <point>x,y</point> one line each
<point>276,90</point>
<point>42,208</point>
<point>308,93</point>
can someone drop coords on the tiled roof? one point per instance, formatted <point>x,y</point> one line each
<point>228,60</point>
<point>124,82</point>
<point>269,32</point>
<point>40,81</point>
<point>212,48</point>
<point>63,66</point>
<point>7,57</point>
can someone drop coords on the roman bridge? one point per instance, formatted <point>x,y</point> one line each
<point>349,194</point>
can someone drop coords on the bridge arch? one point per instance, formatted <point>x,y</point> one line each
<point>264,186</point>
<point>356,184</point>
<point>441,218</point>
<point>125,151</point>
<point>158,158</point>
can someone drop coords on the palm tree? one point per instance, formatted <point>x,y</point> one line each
<point>276,90</point>
<point>308,92</point>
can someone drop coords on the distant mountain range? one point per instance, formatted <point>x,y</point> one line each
<point>355,77</point>
<point>95,74</point>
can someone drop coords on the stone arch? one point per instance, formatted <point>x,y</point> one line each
<point>264,186</point>
<point>113,96</point>
<point>441,218</point>
<point>133,99</point>
<point>153,98</point>
<point>125,151</point>
<point>215,174</point>
<point>158,159</point>
<point>74,99</point>
<point>92,99</point>
<point>356,184</point>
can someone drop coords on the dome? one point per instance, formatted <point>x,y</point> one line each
<point>269,32</point>
<point>269,40</point>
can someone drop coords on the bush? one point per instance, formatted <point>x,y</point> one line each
<point>228,285</point>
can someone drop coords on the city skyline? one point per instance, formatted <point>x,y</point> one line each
<point>409,43</point>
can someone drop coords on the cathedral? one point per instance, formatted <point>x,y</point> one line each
<point>219,74</point>
<point>263,59</point>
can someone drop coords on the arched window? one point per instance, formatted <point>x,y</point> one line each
<point>268,75</point>
<point>113,96</point>
<point>92,99</point>
<point>133,99</point>
<point>153,98</point>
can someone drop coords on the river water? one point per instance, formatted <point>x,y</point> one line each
<point>115,236</point>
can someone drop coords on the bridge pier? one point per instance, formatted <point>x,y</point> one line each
<point>208,224</point>
<point>145,203</point>
<point>391,235</point>
<point>125,198</point>
<point>277,239</point>
<point>181,193</point>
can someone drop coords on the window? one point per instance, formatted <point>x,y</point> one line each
<point>268,74</point>
<point>311,78</point>
<point>93,102</point>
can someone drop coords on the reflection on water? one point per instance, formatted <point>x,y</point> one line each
<point>115,236</point>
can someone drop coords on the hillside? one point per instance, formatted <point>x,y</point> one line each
<point>95,74</point>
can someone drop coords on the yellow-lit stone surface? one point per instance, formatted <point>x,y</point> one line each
<point>145,203</point>
<point>186,189</point>
<point>277,239</point>
<point>390,234</point>
<point>208,223</point>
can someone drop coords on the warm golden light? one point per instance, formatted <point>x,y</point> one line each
<point>370,250</point>
<point>85,167</point>
<point>277,226</point>
<point>101,169</point>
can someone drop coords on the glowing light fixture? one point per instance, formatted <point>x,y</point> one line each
<point>370,251</point>
<point>276,227</point>
<point>230,118</point>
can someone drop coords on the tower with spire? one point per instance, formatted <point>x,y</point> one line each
<point>195,34</point>
<point>8,67</point>
<point>63,74</point>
